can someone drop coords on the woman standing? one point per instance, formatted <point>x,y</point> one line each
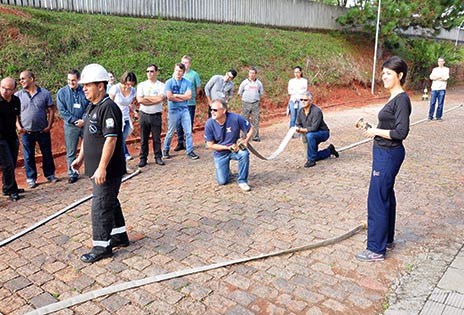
<point>296,86</point>
<point>388,155</point>
<point>124,94</point>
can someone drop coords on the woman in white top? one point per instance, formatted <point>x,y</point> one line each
<point>124,94</point>
<point>296,86</point>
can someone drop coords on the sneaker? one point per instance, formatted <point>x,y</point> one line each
<point>180,146</point>
<point>333,151</point>
<point>390,246</point>
<point>166,154</point>
<point>191,155</point>
<point>53,179</point>
<point>310,163</point>
<point>142,163</point>
<point>244,186</point>
<point>369,256</point>
<point>31,183</point>
<point>72,179</point>
<point>256,139</point>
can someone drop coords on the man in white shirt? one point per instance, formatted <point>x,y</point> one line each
<point>150,95</point>
<point>439,77</point>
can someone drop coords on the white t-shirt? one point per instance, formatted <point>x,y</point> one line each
<point>443,72</point>
<point>148,88</point>
<point>123,101</point>
<point>296,87</point>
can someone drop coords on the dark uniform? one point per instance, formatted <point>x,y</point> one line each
<point>108,226</point>
<point>9,143</point>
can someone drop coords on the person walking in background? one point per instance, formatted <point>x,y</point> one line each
<point>124,95</point>
<point>387,156</point>
<point>110,82</point>
<point>178,92</point>
<point>150,96</point>
<point>194,79</point>
<point>310,122</point>
<point>296,87</point>
<point>439,77</point>
<point>37,115</point>
<point>103,155</point>
<point>10,108</point>
<point>220,87</point>
<point>222,131</point>
<point>71,103</point>
<point>251,90</point>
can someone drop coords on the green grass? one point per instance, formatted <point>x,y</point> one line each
<point>50,43</point>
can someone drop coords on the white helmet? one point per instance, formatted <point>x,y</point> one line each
<point>94,73</point>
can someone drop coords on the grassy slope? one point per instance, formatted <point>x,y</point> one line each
<point>51,43</point>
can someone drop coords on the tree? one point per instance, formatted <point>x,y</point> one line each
<point>396,16</point>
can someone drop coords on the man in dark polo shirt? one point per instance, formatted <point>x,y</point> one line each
<point>105,164</point>
<point>10,108</point>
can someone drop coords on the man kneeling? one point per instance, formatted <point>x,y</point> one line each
<point>222,131</point>
<point>310,122</point>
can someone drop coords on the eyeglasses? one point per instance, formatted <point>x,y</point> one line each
<point>150,71</point>
<point>216,109</point>
<point>304,99</point>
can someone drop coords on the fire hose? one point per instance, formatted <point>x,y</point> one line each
<point>78,299</point>
<point>57,214</point>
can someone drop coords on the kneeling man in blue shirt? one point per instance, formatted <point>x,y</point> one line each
<point>222,131</point>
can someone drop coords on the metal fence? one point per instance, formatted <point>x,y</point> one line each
<point>279,13</point>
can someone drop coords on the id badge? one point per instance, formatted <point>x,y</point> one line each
<point>77,105</point>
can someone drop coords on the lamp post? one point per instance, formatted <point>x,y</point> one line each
<point>457,38</point>
<point>375,49</point>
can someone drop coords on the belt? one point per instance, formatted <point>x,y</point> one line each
<point>159,113</point>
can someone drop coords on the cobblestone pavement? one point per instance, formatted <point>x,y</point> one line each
<point>178,218</point>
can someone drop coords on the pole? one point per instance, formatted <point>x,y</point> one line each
<point>375,49</point>
<point>457,38</point>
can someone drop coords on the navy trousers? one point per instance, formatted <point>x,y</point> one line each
<point>107,217</point>
<point>381,201</point>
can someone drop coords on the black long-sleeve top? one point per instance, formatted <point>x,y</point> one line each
<point>314,121</point>
<point>394,116</point>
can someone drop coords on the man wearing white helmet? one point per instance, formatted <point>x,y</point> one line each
<point>103,154</point>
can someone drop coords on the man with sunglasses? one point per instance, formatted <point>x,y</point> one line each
<point>222,131</point>
<point>220,87</point>
<point>150,95</point>
<point>310,123</point>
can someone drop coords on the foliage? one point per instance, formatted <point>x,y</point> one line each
<point>51,43</point>
<point>425,53</point>
<point>396,16</point>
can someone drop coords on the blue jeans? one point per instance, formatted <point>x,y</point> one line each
<point>293,111</point>
<point>440,95</point>
<point>8,158</point>
<point>313,139</point>
<point>72,133</point>
<point>180,130</point>
<point>125,134</point>
<point>181,116</point>
<point>45,145</point>
<point>222,165</point>
<point>381,201</point>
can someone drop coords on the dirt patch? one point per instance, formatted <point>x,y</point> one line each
<point>13,11</point>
